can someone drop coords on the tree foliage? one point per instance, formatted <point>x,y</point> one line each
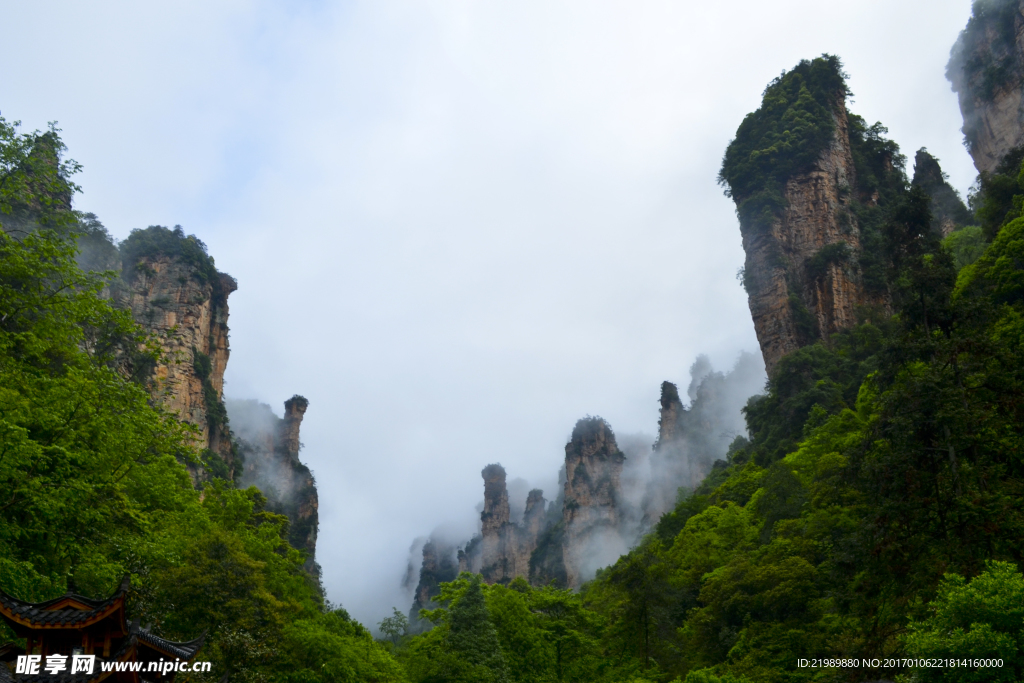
<point>783,137</point>
<point>92,477</point>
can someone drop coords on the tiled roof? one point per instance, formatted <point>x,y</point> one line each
<point>38,614</point>
<point>182,650</point>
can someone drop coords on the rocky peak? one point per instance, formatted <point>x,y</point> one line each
<point>801,239</point>
<point>671,409</point>
<point>505,547</point>
<point>438,565</point>
<point>986,70</point>
<point>947,208</point>
<point>496,509</point>
<point>294,409</point>
<point>269,450</point>
<point>534,517</point>
<point>171,288</point>
<point>593,467</point>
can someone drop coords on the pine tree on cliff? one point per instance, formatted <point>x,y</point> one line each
<point>473,638</point>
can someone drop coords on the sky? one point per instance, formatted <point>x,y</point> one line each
<point>457,227</point>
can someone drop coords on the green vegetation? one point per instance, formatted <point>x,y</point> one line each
<point>157,240</point>
<point>782,138</point>
<point>216,412</point>
<point>35,182</point>
<point>94,484</point>
<point>980,618</point>
<point>510,633</point>
<point>996,203</point>
<point>881,180</point>
<point>876,510</point>
<point>965,245</point>
<point>985,52</point>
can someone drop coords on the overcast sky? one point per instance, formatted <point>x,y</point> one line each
<point>456,227</point>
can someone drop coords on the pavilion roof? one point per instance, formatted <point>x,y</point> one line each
<point>69,610</point>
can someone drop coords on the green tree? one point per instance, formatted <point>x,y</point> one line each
<point>472,636</point>
<point>982,618</point>
<point>395,627</point>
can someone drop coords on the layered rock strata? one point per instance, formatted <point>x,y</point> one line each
<point>801,274</point>
<point>505,546</point>
<point>986,70</point>
<point>188,317</point>
<point>593,467</point>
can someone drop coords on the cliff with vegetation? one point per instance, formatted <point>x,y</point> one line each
<point>173,290</point>
<point>872,508</point>
<point>93,466</point>
<point>986,69</point>
<point>946,206</point>
<point>791,172</point>
<point>268,452</point>
<point>593,469</point>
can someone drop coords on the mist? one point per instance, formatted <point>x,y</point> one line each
<point>657,472</point>
<point>256,428</point>
<point>456,227</point>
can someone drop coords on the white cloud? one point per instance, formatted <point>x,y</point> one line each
<point>457,226</point>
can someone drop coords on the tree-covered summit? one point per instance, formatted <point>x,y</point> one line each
<point>157,240</point>
<point>784,137</point>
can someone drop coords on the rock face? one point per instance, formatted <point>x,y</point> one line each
<point>607,499</point>
<point>505,546</point>
<point>802,275</point>
<point>593,467</point>
<point>437,566</point>
<point>269,449</point>
<point>986,70</point>
<point>189,316</point>
<point>948,210</point>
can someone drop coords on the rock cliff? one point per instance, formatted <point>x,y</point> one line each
<point>174,291</point>
<point>593,467</point>
<point>184,303</point>
<point>268,447</point>
<point>810,182</point>
<point>506,546</point>
<point>802,281</point>
<point>438,565</point>
<point>607,500</point>
<point>947,208</point>
<point>986,70</point>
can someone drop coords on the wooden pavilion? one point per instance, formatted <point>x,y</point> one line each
<point>75,625</point>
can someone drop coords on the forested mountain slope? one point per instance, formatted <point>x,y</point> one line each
<point>873,511</point>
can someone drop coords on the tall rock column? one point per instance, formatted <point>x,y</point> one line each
<point>505,546</point>
<point>304,508</point>
<point>294,409</point>
<point>184,303</point>
<point>270,447</point>
<point>593,467</point>
<point>793,300</point>
<point>801,239</point>
<point>986,70</point>
<point>494,526</point>
<point>671,410</point>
